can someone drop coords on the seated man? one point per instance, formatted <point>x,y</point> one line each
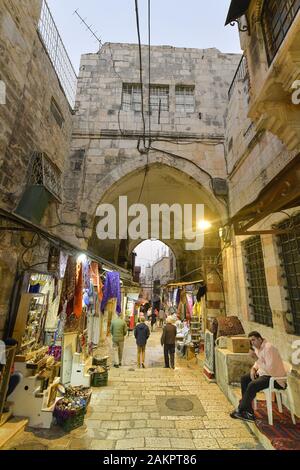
<point>268,364</point>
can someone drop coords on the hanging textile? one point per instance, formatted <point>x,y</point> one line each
<point>197,309</point>
<point>63,261</point>
<point>178,292</point>
<point>86,274</point>
<point>112,290</point>
<point>189,306</point>
<point>96,280</point>
<point>78,292</point>
<point>201,291</point>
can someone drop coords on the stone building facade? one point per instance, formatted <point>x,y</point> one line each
<point>111,154</point>
<point>261,256</point>
<point>36,117</point>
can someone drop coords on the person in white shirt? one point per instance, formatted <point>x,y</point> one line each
<point>268,364</point>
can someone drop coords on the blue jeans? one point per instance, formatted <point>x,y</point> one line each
<point>14,380</point>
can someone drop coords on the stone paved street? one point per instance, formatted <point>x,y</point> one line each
<point>127,413</point>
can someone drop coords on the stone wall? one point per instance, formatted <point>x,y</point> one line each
<point>27,125</point>
<point>26,121</point>
<point>254,157</point>
<point>105,136</point>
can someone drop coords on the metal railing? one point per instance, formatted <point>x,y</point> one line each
<point>240,74</point>
<point>58,55</point>
<point>277,18</point>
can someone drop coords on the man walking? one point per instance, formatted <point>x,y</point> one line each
<point>168,339</point>
<point>118,329</point>
<point>162,317</point>
<point>141,333</point>
<point>268,364</point>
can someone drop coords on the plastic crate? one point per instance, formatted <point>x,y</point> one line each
<point>69,419</point>
<point>73,422</point>
<point>99,379</point>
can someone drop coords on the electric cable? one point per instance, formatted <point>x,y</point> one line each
<point>141,76</point>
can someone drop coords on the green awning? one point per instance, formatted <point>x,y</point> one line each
<point>237,9</point>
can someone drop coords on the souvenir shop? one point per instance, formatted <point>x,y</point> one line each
<point>62,315</point>
<point>185,301</point>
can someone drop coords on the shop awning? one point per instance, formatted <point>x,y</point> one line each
<point>237,9</point>
<point>283,192</point>
<point>125,275</point>
<point>179,284</point>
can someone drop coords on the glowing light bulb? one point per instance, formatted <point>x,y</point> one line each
<point>204,225</point>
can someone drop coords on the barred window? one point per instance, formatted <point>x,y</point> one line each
<point>131,97</point>
<point>159,98</point>
<point>277,18</point>
<point>289,244</point>
<point>257,285</point>
<point>185,98</point>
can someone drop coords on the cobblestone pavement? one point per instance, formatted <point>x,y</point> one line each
<point>127,414</point>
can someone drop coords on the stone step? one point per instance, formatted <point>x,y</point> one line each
<point>10,429</point>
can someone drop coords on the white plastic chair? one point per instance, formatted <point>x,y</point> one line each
<point>279,395</point>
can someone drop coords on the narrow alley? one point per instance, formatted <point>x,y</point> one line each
<point>149,174</point>
<point>151,408</point>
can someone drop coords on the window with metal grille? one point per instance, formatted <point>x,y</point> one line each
<point>258,291</point>
<point>277,18</point>
<point>159,98</point>
<point>43,172</point>
<point>185,98</point>
<point>289,244</point>
<point>131,97</point>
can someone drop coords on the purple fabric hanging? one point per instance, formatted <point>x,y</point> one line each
<point>111,290</point>
<point>178,297</point>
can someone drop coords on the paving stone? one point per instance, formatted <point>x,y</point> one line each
<point>206,433</point>
<point>124,444</point>
<point>189,424</point>
<point>137,432</point>
<point>181,444</point>
<point>115,435</point>
<point>104,424</point>
<point>163,424</point>
<point>222,424</point>
<point>179,433</point>
<point>236,433</point>
<point>237,443</point>
<point>80,444</point>
<point>125,424</point>
<point>140,415</point>
<point>205,443</point>
<point>121,416</point>
<point>99,434</point>
<point>102,444</point>
<point>100,416</point>
<point>158,443</point>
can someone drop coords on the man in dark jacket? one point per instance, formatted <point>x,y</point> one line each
<point>141,333</point>
<point>168,339</point>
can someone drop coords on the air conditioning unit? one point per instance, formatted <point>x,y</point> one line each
<point>220,187</point>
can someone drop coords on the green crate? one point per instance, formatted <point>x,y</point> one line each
<point>73,422</point>
<point>99,379</point>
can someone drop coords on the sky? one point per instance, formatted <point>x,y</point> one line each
<point>149,251</point>
<point>188,23</point>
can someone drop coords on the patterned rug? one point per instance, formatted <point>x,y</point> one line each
<point>284,435</point>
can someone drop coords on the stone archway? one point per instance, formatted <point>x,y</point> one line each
<point>97,193</point>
